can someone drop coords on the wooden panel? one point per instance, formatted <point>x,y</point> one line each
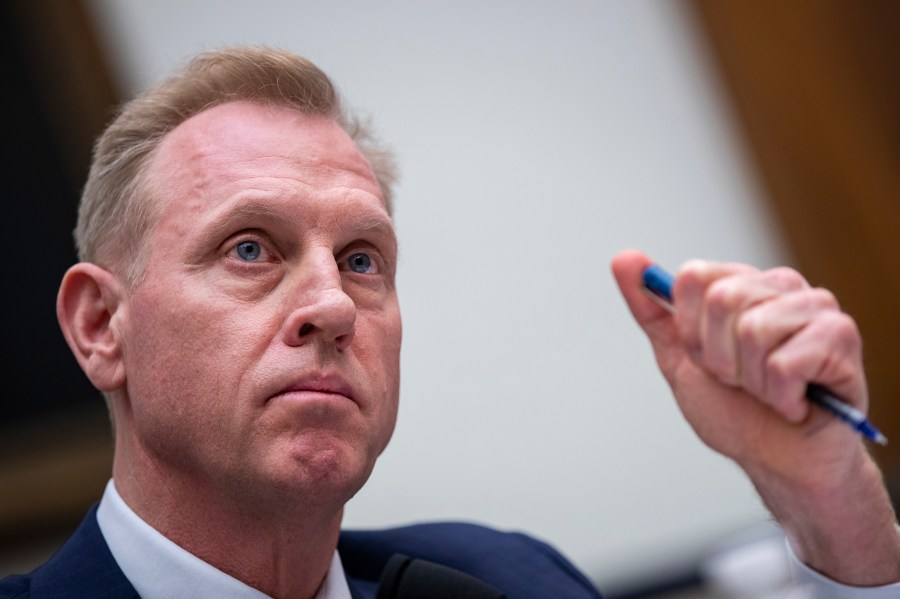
<point>816,87</point>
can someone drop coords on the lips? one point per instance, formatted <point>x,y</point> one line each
<point>319,385</point>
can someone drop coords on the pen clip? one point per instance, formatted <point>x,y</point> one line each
<point>662,301</point>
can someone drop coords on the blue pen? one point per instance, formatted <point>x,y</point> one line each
<point>658,283</point>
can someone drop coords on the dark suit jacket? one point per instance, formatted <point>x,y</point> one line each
<point>522,566</point>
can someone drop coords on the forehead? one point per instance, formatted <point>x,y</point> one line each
<point>240,143</point>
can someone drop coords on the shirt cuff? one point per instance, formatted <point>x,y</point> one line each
<point>822,587</point>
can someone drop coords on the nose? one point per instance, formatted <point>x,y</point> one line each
<point>325,312</point>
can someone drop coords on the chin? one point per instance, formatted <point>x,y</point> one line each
<point>325,474</point>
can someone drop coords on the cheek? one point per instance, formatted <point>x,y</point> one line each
<point>167,343</point>
<point>181,374</point>
<point>377,342</point>
<point>379,355</point>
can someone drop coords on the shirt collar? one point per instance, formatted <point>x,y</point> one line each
<point>157,567</point>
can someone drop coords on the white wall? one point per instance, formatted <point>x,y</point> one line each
<point>536,140</point>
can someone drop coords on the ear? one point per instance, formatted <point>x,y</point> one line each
<point>88,300</point>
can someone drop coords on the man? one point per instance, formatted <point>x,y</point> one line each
<point>236,304</point>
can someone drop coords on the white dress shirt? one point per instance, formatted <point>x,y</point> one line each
<point>158,568</point>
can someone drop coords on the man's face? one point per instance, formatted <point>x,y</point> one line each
<point>262,347</point>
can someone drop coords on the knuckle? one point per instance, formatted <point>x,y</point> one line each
<point>786,278</point>
<point>778,369</point>
<point>691,277</point>
<point>750,329</point>
<point>694,268</point>
<point>843,329</point>
<point>823,298</point>
<point>722,296</point>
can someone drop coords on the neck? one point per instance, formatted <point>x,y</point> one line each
<point>279,543</point>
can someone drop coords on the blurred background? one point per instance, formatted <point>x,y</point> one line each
<point>535,140</point>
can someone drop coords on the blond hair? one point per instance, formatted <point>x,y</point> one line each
<point>116,214</point>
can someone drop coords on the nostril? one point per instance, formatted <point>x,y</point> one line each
<point>306,329</point>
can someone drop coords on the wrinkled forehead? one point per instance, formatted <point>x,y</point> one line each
<point>242,141</point>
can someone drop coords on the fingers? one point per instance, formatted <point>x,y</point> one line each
<point>710,315</point>
<point>696,282</point>
<point>826,349</point>
<point>767,332</point>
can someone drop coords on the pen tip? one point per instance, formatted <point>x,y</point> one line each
<point>881,439</point>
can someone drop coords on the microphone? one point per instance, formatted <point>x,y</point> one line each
<point>405,577</point>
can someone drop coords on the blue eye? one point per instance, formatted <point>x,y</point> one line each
<point>360,263</point>
<point>249,250</point>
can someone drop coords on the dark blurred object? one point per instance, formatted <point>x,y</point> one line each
<point>405,577</point>
<point>55,443</point>
<point>56,99</point>
<point>674,584</point>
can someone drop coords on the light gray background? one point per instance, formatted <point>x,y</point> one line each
<point>536,139</point>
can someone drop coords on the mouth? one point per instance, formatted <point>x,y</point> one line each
<point>328,387</point>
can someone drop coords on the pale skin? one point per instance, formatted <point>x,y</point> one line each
<point>738,353</point>
<point>254,371</point>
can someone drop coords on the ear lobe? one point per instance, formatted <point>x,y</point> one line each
<point>88,299</point>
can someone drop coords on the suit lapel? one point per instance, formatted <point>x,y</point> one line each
<point>83,567</point>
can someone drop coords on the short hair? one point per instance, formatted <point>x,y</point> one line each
<point>115,214</point>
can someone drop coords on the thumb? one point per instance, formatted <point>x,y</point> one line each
<point>657,322</point>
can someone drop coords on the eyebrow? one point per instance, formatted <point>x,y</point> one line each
<point>223,223</point>
<point>380,225</point>
<point>377,227</point>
